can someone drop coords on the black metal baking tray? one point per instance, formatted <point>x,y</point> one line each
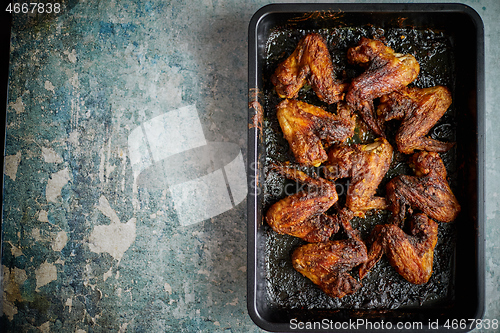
<point>449,40</point>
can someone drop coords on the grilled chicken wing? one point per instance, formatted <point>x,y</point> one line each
<point>306,127</point>
<point>366,165</point>
<point>428,191</point>
<point>311,61</point>
<point>419,110</point>
<point>302,214</point>
<point>411,255</point>
<point>328,264</point>
<point>386,71</point>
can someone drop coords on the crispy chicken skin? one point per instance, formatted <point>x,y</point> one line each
<point>306,127</point>
<point>311,61</point>
<point>419,110</point>
<point>386,71</point>
<point>366,165</point>
<point>328,264</point>
<point>411,255</point>
<point>427,191</point>
<point>302,214</point>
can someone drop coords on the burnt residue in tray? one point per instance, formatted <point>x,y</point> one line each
<point>383,288</point>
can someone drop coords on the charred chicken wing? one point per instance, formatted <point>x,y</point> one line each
<point>302,214</point>
<point>328,264</point>
<point>366,165</point>
<point>411,255</point>
<point>306,127</point>
<point>386,71</point>
<point>419,110</point>
<point>427,191</point>
<point>311,61</point>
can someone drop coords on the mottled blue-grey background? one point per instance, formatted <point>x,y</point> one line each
<point>84,248</point>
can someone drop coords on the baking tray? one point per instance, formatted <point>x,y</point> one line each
<point>450,38</point>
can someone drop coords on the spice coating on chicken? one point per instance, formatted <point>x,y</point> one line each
<point>306,127</point>
<point>328,264</point>
<point>411,255</point>
<point>366,165</point>
<point>419,110</point>
<point>310,62</point>
<point>427,191</point>
<point>386,71</point>
<point>302,214</point>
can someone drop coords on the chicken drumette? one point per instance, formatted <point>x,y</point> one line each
<point>419,110</point>
<point>306,127</point>
<point>303,214</point>
<point>386,71</point>
<point>311,61</point>
<point>366,165</point>
<point>411,255</point>
<point>428,191</point>
<point>328,264</point>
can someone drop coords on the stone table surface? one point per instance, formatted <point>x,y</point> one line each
<point>86,247</point>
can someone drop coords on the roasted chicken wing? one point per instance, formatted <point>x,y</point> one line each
<point>419,110</point>
<point>366,165</point>
<point>311,61</point>
<point>328,264</point>
<point>386,71</point>
<point>307,127</point>
<point>427,191</point>
<point>411,255</point>
<point>303,214</point>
